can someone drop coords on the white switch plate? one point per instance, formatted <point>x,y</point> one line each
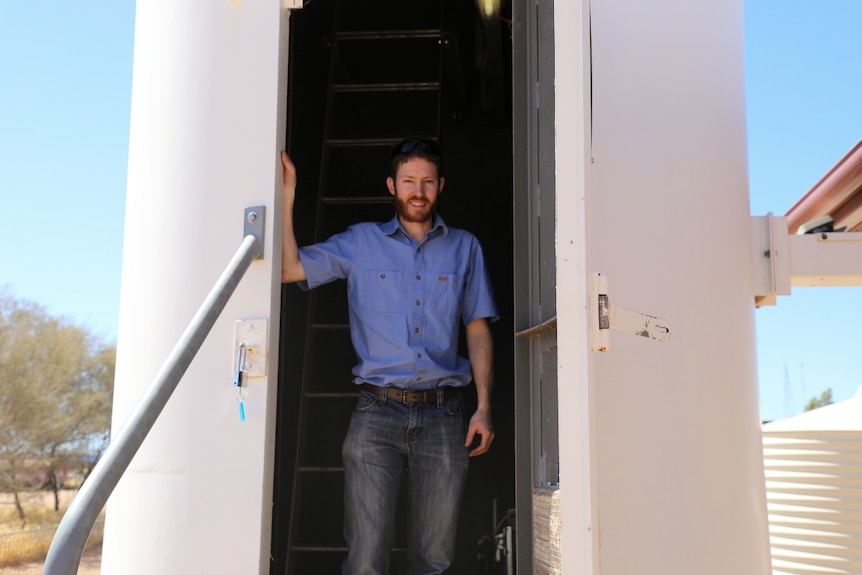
<point>254,334</point>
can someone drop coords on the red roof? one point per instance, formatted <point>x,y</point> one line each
<point>837,194</point>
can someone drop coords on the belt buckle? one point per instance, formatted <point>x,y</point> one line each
<point>418,396</point>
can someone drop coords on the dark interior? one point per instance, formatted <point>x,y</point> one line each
<point>363,74</point>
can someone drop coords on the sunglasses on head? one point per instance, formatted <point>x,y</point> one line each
<point>407,146</point>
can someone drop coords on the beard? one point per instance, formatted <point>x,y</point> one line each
<point>408,214</point>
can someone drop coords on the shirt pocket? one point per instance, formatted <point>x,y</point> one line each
<point>381,291</point>
<point>446,290</point>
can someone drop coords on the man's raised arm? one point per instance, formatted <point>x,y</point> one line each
<point>291,266</point>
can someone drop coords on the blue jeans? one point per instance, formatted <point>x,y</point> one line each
<point>386,440</point>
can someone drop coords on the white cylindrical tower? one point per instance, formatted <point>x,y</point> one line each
<point>207,124</point>
<point>661,468</point>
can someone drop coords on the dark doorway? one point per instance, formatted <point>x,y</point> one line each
<point>364,73</point>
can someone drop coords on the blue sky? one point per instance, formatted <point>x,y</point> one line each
<point>66,70</point>
<point>803,91</point>
<point>65,89</point>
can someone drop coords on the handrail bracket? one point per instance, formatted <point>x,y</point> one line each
<point>254,225</point>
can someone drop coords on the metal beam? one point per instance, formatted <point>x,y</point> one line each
<point>827,259</point>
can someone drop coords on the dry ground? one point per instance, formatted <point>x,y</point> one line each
<point>91,563</point>
<point>39,509</point>
<point>38,506</point>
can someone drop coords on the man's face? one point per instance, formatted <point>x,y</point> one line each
<point>416,188</point>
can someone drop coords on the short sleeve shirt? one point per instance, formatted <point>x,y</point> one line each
<point>406,300</point>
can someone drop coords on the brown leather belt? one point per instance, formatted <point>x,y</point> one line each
<point>408,396</point>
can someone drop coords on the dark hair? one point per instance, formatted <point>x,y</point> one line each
<point>410,148</point>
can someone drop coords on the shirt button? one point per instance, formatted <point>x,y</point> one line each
<point>418,302</point>
<point>419,355</point>
<point>418,379</point>
<point>382,276</point>
<point>415,330</point>
<point>418,277</point>
<point>418,250</point>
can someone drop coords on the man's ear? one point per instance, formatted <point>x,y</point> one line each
<point>440,189</point>
<point>390,183</point>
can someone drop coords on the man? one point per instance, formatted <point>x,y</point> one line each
<point>411,282</point>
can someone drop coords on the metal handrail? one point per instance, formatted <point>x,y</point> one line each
<point>67,547</point>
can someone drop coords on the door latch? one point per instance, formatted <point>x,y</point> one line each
<point>250,350</point>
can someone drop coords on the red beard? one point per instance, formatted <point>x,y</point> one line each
<point>408,214</point>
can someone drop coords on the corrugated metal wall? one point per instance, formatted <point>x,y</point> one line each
<point>813,466</point>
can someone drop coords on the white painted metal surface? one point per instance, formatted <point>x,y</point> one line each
<point>577,500</point>
<point>833,259</point>
<point>770,258</point>
<point>206,127</point>
<point>814,490</point>
<point>661,461</point>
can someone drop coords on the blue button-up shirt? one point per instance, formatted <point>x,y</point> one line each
<point>406,299</point>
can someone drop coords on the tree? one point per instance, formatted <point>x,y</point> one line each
<point>824,399</point>
<point>55,398</point>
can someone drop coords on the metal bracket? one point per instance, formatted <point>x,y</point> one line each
<point>254,225</point>
<point>607,316</point>
<point>770,257</point>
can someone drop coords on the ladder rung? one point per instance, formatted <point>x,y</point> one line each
<point>390,35</point>
<point>310,469</point>
<point>388,87</point>
<point>332,395</point>
<point>333,549</point>
<point>318,549</point>
<point>330,326</point>
<point>358,200</point>
<point>361,142</point>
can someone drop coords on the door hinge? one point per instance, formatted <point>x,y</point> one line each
<point>606,315</point>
